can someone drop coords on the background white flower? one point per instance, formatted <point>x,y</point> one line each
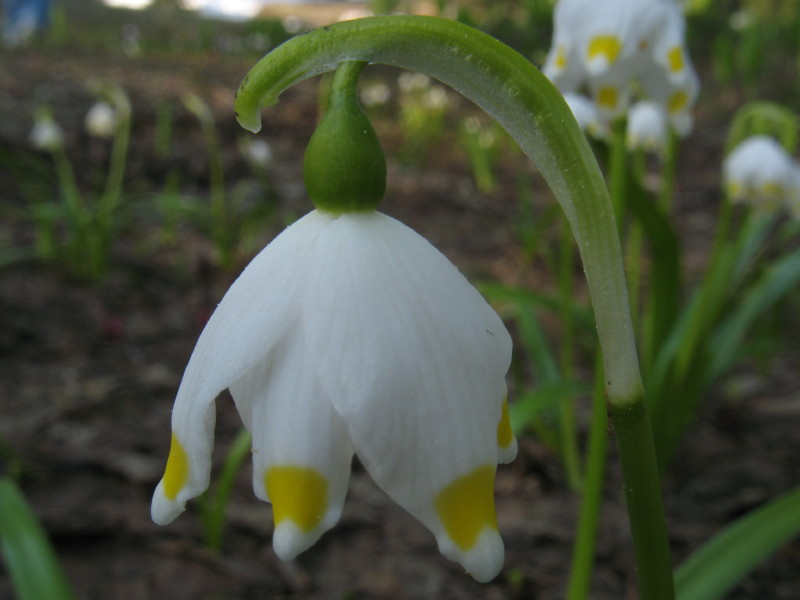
<point>647,127</point>
<point>46,133</point>
<point>586,114</point>
<point>759,172</point>
<point>101,120</point>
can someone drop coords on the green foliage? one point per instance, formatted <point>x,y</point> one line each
<point>764,118</point>
<point>77,230</point>
<point>705,341</point>
<point>482,143</point>
<point>215,503</point>
<point>224,217</point>
<point>29,558</point>
<point>717,566</point>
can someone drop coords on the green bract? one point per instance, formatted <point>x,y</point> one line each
<point>344,166</point>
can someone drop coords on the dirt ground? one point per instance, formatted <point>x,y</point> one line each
<point>88,372</point>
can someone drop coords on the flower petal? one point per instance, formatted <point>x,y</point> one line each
<point>301,451</point>
<point>255,313</point>
<point>413,359</point>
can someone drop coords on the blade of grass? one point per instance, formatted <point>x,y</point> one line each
<point>727,558</point>
<point>215,505</point>
<point>531,404</point>
<point>31,562</point>
<point>776,281</point>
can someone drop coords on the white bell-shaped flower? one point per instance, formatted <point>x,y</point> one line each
<point>671,79</point>
<point>46,133</point>
<point>351,333</point>
<point>101,120</point>
<point>647,127</point>
<point>586,114</point>
<point>759,172</point>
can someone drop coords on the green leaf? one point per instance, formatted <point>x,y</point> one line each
<point>29,557</point>
<point>498,293</point>
<point>665,254</point>
<point>776,281</point>
<point>214,505</point>
<point>727,558</point>
<point>530,405</point>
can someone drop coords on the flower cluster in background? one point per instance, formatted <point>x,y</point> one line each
<point>620,50</point>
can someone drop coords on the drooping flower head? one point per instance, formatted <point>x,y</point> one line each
<point>610,46</point>
<point>350,333</point>
<point>101,120</point>
<point>761,173</point>
<point>46,133</point>
<point>586,114</point>
<point>647,127</point>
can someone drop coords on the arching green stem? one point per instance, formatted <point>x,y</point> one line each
<point>511,90</point>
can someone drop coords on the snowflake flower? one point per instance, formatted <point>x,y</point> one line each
<point>349,334</point>
<point>647,127</point>
<point>46,133</point>
<point>760,172</point>
<point>101,120</point>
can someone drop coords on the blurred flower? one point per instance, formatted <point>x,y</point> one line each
<point>375,94</point>
<point>355,13</point>
<point>741,20</point>
<point>435,98</point>
<point>761,173</point>
<point>608,46</point>
<point>793,203</point>
<point>647,127</point>
<point>46,133</point>
<point>293,24</point>
<point>101,120</point>
<point>349,334</point>
<point>257,152</point>
<point>586,114</point>
<point>409,81</point>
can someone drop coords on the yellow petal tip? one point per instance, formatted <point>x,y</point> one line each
<point>177,471</point>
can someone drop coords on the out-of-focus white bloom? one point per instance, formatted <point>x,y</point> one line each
<point>46,133</point>
<point>741,20</point>
<point>793,203</point>
<point>607,46</point>
<point>487,138</point>
<point>101,120</point>
<point>351,334</point>
<point>409,81</point>
<point>293,24</point>
<point>375,94</point>
<point>435,98</point>
<point>131,4</point>
<point>760,172</point>
<point>472,125</point>
<point>647,127</point>
<point>257,152</point>
<point>586,114</point>
<point>355,13</point>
